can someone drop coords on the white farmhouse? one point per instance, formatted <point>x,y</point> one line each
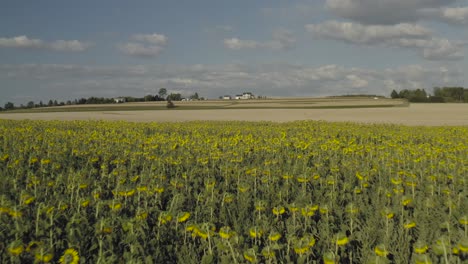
<point>119,100</point>
<point>245,96</point>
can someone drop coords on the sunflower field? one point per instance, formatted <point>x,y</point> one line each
<point>232,192</point>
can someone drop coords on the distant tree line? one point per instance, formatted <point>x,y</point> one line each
<point>161,96</point>
<point>441,95</point>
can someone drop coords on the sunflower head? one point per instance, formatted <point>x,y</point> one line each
<point>381,250</point>
<point>225,232</point>
<point>70,256</point>
<point>250,255</point>
<point>329,258</point>
<point>15,249</point>
<point>341,239</point>
<point>420,247</point>
<point>422,259</point>
<point>409,225</point>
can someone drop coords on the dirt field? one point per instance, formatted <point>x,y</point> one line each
<point>415,114</point>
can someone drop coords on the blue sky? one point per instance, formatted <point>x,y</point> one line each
<point>71,49</point>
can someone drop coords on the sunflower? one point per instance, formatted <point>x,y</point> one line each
<point>225,232</point>
<point>70,256</point>
<point>420,247</point>
<point>406,201</point>
<point>255,232</point>
<point>164,218</point>
<point>463,220</point>
<point>341,239</point>
<point>250,255</point>
<point>422,259</point>
<point>329,258</point>
<point>43,258</point>
<point>268,253</point>
<point>279,210</point>
<point>352,209</point>
<point>16,250</point>
<point>274,236</point>
<point>463,246</point>
<point>409,225</point>
<point>33,245</point>
<point>381,250</point>
<point>324,209</point>
<point>309,210</point>
<point>183,217</point>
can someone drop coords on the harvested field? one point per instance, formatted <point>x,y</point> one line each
<point>414,114</point>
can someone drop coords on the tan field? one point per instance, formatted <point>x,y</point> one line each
<point>270,110</point>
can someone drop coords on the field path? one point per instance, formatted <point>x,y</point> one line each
<point>415,114</point>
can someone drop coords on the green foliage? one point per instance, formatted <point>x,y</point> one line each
<point>162,92</point>
<point>452,94</point>
<point>9,106</point>
<point>174,97</point>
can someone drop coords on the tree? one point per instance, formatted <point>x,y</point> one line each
<point>174,97</point>
<point>30,104</point>
<point>194,97</point>
<point>162,92</point>
<point>394,94</point>
<point>149,98</point>
<point>9,106</point>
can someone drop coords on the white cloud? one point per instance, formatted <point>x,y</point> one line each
<point>24,42</point>
<point>21,42</point>
<point>281,39</point>
<point>140,50</point>
<point>356,81</point>
<point>237,44</point>
<point>383,11</point>
<point>400,35</point>
<point>155,39</point>
<point>364,34</point>
<point>451,15</point>
<point>69,45</point>
<point>148,45</point>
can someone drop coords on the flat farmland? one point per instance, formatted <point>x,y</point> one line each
<point>276,110</point>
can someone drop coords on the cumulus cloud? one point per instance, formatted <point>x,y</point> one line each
<point>383,11</point>
<point>69,45</point>
<point>400,35</point>
<point>365,34</point>
<point>237,44</point>
<point>281,39</point>
<point>451,15</point>
<point>156,39</point>
<point>140,50</point>
<point>23,42</point>
<point>148,45</point>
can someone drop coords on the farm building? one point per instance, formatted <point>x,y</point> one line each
<point>119,100</point>
<point>245,96</point>
<point>227,97</point>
